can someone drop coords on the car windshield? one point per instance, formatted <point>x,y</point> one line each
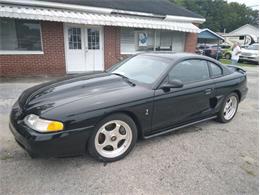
<point>252,47</point>
<point>143,69</point>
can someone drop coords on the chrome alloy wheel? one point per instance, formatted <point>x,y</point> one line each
<point>230,107</point>
<point>113,139</point>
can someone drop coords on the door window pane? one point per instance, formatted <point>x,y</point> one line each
<point>216,71</point>
<point>93,39</point>
<point>21,35</point>
<point>190,71</point>
<point>74,36</point>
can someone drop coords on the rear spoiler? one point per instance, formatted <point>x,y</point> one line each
<point>236,68</point>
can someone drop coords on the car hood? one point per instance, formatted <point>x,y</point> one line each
<point>91,91</point>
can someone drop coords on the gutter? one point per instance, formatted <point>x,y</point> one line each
<point>99,10</point>
<point>184,19</point>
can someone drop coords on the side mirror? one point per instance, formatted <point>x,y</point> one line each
<point>172,84</point>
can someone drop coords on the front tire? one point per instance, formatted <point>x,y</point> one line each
<point>114,137</point>
<point>228,56</point>
<point>229,108</point>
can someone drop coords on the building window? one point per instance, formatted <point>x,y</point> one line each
<point>127,40</point>
<point>20,35</point>
<point>144,40</point>
<point>74,35</point>
<point>139,40</point>
<point>164,41</point>
<point>93,39</point>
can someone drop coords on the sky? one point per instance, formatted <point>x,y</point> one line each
<point>254,4</point>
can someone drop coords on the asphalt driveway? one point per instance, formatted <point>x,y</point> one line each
<point>209,158</point>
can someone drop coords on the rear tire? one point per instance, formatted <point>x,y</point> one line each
<point>229,108</point>
<point>114,137</point>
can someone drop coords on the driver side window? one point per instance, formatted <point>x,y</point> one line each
<point>189,71</point>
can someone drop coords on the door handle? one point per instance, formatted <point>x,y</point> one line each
<point>208,91</point>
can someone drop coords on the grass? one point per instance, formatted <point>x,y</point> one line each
<point>249,64</point>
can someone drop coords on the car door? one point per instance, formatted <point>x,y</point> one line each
<point>190,102</point>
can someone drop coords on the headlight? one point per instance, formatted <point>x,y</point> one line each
<point>42,125</point>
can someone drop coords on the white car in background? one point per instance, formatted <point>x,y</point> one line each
<point>250,53</point>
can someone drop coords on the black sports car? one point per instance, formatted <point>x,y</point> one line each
<point>144,96</point>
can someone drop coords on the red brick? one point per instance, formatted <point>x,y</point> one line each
<point>190,42</point>
<point>111,45</point>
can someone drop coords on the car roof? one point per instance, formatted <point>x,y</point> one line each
<point>176,56</point>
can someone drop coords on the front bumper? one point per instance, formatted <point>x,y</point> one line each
<point>65,143</point>
<point>249,58</point>
<point>243,93</point>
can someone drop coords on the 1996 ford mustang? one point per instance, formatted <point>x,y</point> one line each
<point>144,96</point>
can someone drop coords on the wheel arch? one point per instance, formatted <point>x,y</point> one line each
<point>132,116</point>
<point>238,94</point>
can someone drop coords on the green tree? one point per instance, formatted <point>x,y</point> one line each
<point>221,15</point>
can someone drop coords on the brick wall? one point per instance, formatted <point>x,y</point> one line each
<point>52,62</point>
<point>190,42</point>
<point>111,45</point>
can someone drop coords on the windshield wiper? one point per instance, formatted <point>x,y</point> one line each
<point>125,78</point>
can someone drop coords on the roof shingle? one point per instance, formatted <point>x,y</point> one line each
<point>159,7</point>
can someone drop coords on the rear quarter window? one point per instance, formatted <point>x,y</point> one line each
<point>216,71</point>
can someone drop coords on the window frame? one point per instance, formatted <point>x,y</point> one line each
<point>77,41</point>
<point>191,82</point>
<point>20,52</point>
<point>156,33</point>
<point>211,72</point>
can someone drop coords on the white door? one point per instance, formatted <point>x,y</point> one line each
<point>75,51</point>
<point>95,51</point>
<point>84,48</point>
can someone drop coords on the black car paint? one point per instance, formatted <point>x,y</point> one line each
<point>80,102</point>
